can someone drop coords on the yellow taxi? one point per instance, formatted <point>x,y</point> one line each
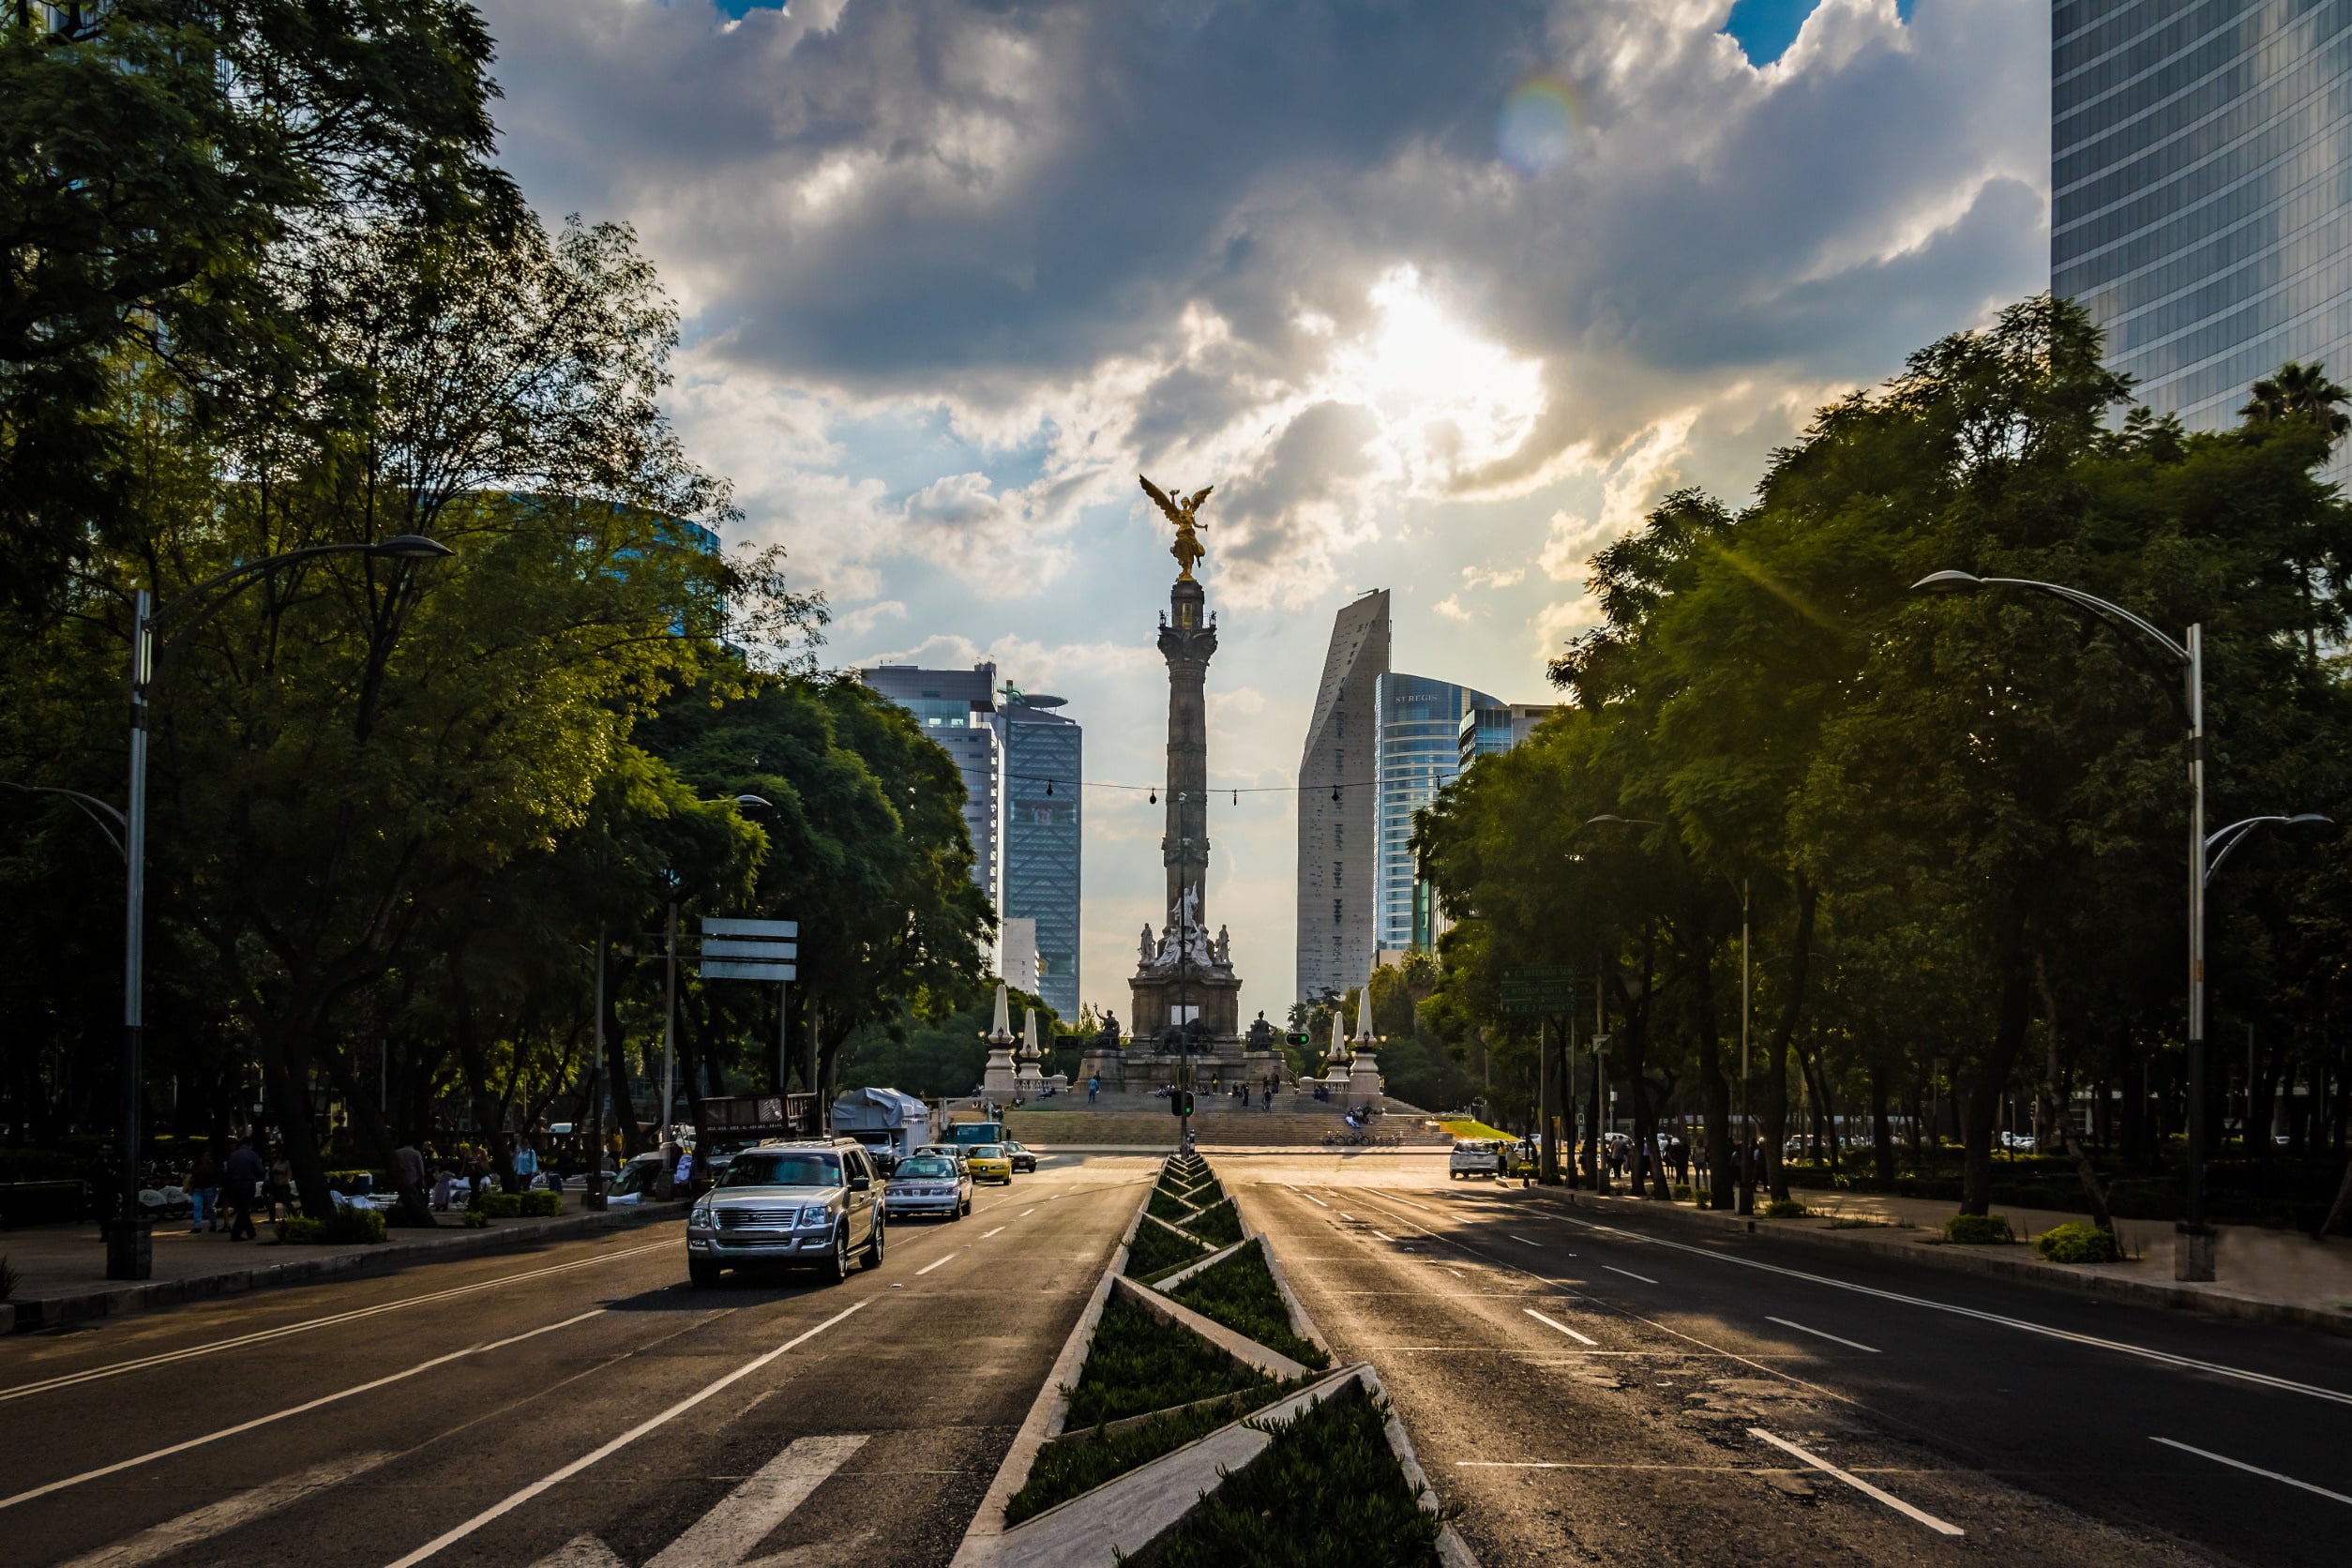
<point>989,1162</point>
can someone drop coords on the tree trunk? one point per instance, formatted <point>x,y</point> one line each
<point>1714,1094</point>
<point>289,1098</point>
<point>1990,1079</point>
<point>1776,1052</point>
<point>616,1061</point>
<point>1881,1132</point>
<point>2060,1118</point>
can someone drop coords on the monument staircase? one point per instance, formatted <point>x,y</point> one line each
<point>1296,1121</point>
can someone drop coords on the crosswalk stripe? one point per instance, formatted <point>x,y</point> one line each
<point>725,1536</point>
<point>218,1519</point>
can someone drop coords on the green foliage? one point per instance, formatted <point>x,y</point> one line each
<point>1219,1224</point>
<point>1166,1205</point>
<point>2077,1244</point>
<point>518,1205</point>
<point>343,1228</point>
<point>1975,1230</point>
<point>1241,1294</point>
<point>475,1219</point>
<point>1079,1464</point>
<point>1138,1363</point>
<point>1156,1251</point>
<point>1333,1483</point>
<point>1786,1208</point>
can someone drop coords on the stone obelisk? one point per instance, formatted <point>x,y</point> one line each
<point>1188,640</point>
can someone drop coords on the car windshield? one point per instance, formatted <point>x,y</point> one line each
<point>634,1178</point>
<point>782,1170</point>
<point>988,1152</point>
<point>926,1166</point>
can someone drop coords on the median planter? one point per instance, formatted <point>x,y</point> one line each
<point>1168,1397</point>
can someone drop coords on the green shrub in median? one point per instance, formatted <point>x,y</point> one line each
<point>1241,1294</point>
<point>1972,1230</point>
<point>1139,1363</point>
<point>1786,1208</point>
<point>1334,1488</point>
<point>1166,1205</point>
<point>2077,1244</point>
<point>1219,1226</point>
<point>1080,1464</point>
<point>1156,1251</point>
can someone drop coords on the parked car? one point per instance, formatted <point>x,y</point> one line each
<point>636,1183</point>
<point>928,1184</point>
<point>1022,1160</point>
<point>989,1163</point>
<point>1476,1157</point>
<point>812,1203</point>
<point>945,1151</point>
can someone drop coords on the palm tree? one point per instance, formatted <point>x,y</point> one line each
<point>2298,391</point>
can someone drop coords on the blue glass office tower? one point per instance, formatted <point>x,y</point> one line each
<point>2201,191</point>
<point>1418,750</point>
<point>1043,757</point>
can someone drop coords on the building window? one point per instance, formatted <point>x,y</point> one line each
<point>1334,912</point>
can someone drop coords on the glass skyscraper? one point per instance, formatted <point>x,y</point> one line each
<point>1418,750</point>
<point>2201,189</point>
<point>1043,753</point>
<point>958,709</point>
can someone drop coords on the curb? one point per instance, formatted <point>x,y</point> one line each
<point>41,1312</point>
<point>1960,1259</point>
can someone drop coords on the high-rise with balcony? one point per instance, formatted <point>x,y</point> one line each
<point>1044,751</point>
<point>2201,191</point>
<point>1417,750</point>
<point>1339,807</point>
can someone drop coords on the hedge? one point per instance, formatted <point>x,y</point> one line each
<point>1218,1226</point>
<point>1166,1205</point>
<point>1335,1487</point>
<point>1976,1229</point>
<point>343,1228</point>
<point>1063,1470</point>
<point>519,1205</point>
<point>1241,1294</point>
<point>1156,1251</point>
<point>1139,1363</point>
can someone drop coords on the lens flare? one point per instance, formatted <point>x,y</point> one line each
<point>1537,126</point>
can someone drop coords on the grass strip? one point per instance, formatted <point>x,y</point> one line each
<point>1166,1205</point>
<point>1220,1225</point>
<point>1139,1363</point>
<point>1241,1294</point>
<point>1335,1489</point>
<point>1063,1470</point>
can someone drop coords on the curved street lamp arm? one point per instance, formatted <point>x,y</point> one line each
<point>2102,608</point>
<point>92,807</point>
<point>2238,832</point>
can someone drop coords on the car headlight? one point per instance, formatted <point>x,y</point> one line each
<point>816,1214</point>
<point>700,1216</point>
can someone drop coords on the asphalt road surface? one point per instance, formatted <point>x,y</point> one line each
<point>1613,1393</point>
<point>578,1404</point>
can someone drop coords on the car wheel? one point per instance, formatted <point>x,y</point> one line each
<point>965,1210</point>
<point>837,1268</point>
<point>874,1246</point>
<point>702,1273</point>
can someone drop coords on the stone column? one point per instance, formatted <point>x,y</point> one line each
<point>1187,640</point>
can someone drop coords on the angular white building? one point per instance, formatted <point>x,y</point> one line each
<point>1339,805</point>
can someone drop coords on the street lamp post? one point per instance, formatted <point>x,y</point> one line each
<point>2193,1257</point>
<point>127,1241</point>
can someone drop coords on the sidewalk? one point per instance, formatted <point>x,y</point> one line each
<point>61,1268</point>
<point>2277,1276</point>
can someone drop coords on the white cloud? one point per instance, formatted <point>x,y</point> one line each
<point>1451,607</point>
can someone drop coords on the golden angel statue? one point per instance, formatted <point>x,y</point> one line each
<point>1180,508</point>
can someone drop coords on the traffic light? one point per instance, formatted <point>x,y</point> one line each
<point>1181,1102</point>
<point>1300,1038</point>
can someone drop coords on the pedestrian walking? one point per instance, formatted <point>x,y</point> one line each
<point>280,1185</point>
<point>408,1170</point>
<point>203,1193</point>
<point>246,1176</point>
<point>526,1163</point>
<point>1094,1086</point>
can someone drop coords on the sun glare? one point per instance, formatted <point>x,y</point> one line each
<point>1448,400</point>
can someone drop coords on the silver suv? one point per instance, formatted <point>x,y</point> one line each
<point>813,1202</point>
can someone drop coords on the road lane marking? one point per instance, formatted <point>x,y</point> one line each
<point>1629,1274</point>
<point>2250,1470</point>
<point>2264,1380</point>
<point>323,1399</point>
<point>1383,1236</point>
<point>1346,1215</point>
<point>1310,1198</point>
<point>1523,1241</point>
<point>985,1234</point>
<point>1025,1213</point>
<point>218,1519</point>
<point>928,1267</point>
<point>1401,1203</point>
<point>566,1472</point>
<point>68,1379</point>
<point>1556,1323</point>
<point>729,1533</point>
<point>1920,1515</point>
<point>1835,1340</point>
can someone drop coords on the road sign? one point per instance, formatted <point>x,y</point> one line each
<point>732,969</point>
<point>1534,990</point>
<point>750,949</point>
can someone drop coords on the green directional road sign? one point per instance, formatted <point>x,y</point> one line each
<point>1534,990</point>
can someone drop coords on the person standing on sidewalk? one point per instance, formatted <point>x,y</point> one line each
<point>246,1175</point>
<point>204,1192</point>
<point>526,1164</point>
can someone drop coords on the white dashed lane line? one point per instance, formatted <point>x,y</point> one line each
<point>1835,1340</point>
<point>1556,1323</point>
<point>1629,1274</point>
<point>1938,1526</point>
<point>2252,1470</point>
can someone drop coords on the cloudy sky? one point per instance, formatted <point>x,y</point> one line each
<point>1439,295</point>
